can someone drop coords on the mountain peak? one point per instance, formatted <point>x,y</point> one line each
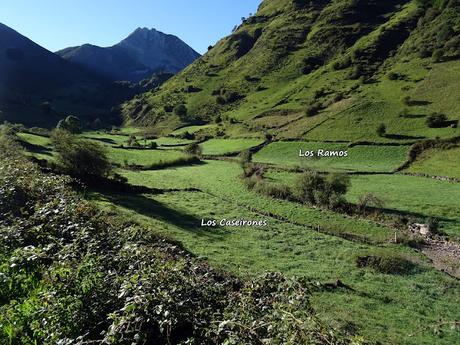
<point>144,52</point>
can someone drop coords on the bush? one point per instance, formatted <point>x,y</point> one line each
<point>341,64</point>
<point>312,109</point>
<point>436,120</point>
<point>193,149</point>
<point>369,200</point>
<point>381,130</point>
<point>393,76</point>
<point>79,157</point>
<point>356,72</point>
<point>181,111</point>
<point>220,100</point>
<point>327,191</point>
<point>437,55</point>
<point>277,191</point>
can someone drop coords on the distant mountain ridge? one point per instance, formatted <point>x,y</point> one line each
<point>140,55</point>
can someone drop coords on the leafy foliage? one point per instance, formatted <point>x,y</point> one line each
<point>316,189</point>
<point>80,157</point>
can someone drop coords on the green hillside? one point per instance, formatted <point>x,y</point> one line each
<point>322,70</point>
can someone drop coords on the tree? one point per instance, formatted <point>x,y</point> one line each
<point>79,157</point>
<point>70,124</point>
<point>381,130</point>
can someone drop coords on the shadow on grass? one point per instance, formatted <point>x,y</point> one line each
<point>403,137</point>
<point>413,116</point>
<point>103,140</point>
<point>36,148</point>
<point>151,208</point>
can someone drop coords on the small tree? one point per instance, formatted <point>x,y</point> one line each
<point>369,200</point>
<point>193,150</point>
<point>80,157</point>
<point>381,130</point>
<point>245,159</point>
<point>70,124</point>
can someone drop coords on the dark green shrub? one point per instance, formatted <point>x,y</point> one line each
<point>181,111</point>
<point>381,130</point>
<point>406,100</point>
<point>220,100</point>
<point>80,157</point>
<point>312,109</point>
<point>356,72</point>
<point>276,191</point>
<point>327,191</point>
<point>436,120</point>
<point>437,55</point>
<point>342,63</point>
<point>393,76</point>
<point>369,200</point>
<point>193,149</point>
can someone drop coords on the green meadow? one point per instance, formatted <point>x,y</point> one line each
<point>444,163</point>
<point>299,240</point>
<point>364,158</point>
<point>216,147</point>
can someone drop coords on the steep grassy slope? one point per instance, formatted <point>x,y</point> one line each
<point>322,69</point>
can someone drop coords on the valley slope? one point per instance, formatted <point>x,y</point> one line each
<point>322,70</point>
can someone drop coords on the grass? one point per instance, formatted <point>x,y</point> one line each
<point>216,147</point>
<point>191,129</point>
<point>360,158</point>
<point>292,249</point>
<point>222,179</point>
<point>438,162</point>
<point>35,139</point>
<point>424,197</point>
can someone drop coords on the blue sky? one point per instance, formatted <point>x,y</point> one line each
<point>57,24</point>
